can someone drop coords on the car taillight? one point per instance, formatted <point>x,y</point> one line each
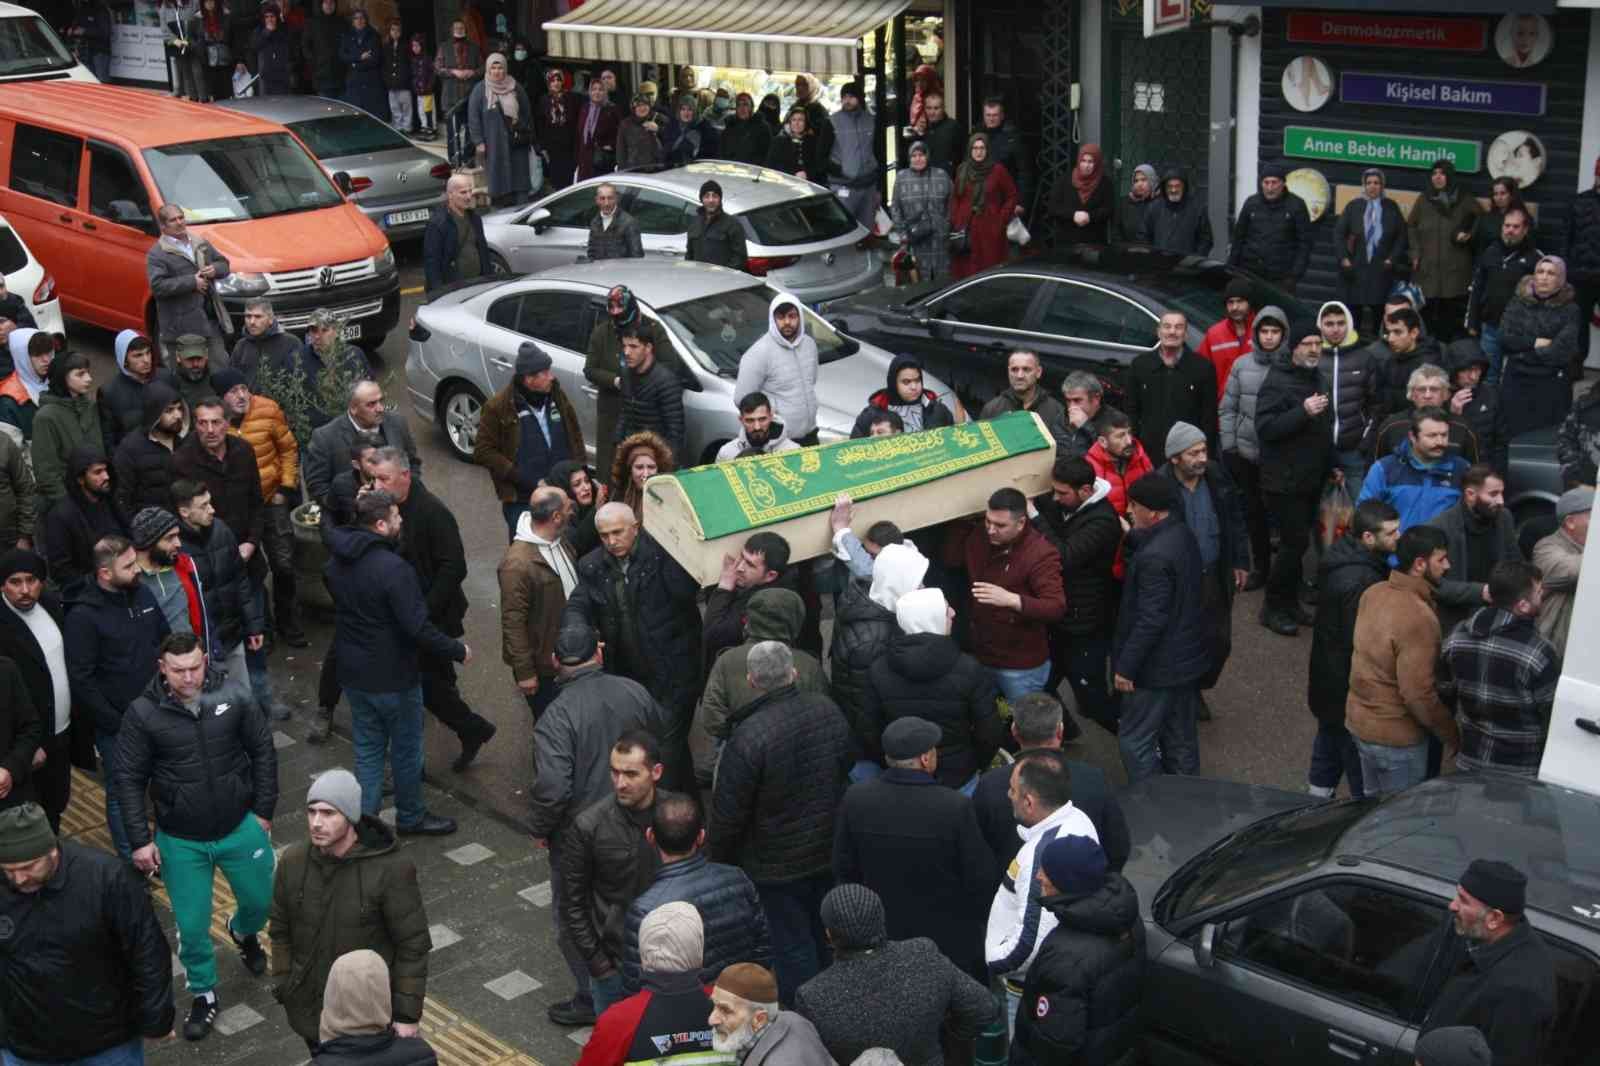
<point>441,171</point>
<point>360,184</point>
<point>46,289</point>
<point>759,265</point>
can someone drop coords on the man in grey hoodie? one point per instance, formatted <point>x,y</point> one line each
<point>783,364</point>
<point>1241,449</point>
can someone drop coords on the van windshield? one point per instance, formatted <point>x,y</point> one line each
<point>232,179</point>
<point>28,46</point>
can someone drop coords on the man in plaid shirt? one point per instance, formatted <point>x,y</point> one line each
<point>1502,675</point>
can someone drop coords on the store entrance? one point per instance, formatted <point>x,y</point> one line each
<point>1159,91</point>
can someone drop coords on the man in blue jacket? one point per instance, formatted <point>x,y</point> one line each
<point>382,628</point>
<point>1421,479</point>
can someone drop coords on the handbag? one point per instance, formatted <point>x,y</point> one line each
<point>959,242</point>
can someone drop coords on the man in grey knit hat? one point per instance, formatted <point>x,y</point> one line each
<point>897,994</point>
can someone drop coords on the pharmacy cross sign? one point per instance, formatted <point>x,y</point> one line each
<point>1381,149</point>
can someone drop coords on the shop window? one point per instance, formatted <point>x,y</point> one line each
<point>45,164</point>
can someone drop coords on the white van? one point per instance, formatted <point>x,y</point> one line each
<point>31,51</point>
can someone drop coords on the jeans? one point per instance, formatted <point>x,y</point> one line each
<point>794,921</point>
<point>1489,341</point>
<point>1014,683</point>
<point>129,1054</point>
<point>1334,755</point>
<point>1294,515</point>
<point>188,868</point>
<point>106,745</point>
<point>389,722</point>
<point>1157,732</point>
<point>400,109</point>
<point>607,991</point>
<point>569,952</point>
<point>1390,769</point>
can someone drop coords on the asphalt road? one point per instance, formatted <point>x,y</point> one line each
<point>1261,732</point>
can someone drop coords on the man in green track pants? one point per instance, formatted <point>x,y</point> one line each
<point>201,746</point>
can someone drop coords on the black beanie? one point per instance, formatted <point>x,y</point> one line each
<point>853,916</point>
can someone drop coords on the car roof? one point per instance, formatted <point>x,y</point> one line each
<point>1135,263</point>
<point>12,11</point>
<point>744,187</point>
<point>655,283</point>
<point>1439,827</point>
<point>110,111</point>
<point>287,109</point>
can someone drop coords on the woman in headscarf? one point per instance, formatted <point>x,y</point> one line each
<point>684,135</point>
<point>1081,206</point>
<point>771,112</point>
<point>1439,230</point>
<point>1539,338</point>
<point>587,493</point>
<point>921,213</point>
<point>916,406</point>
<point>361,52</point>
<point>796,150</point>
<point>357,1019</point>
<point>1504,194</point>
<point>983,202</point>
<point>639,458</point>
<point>638,137</point>
<point>497,122</point>
<point>556,127</point>
<point>1370,240</point>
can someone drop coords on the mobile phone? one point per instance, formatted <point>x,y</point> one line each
<point>908,132</point>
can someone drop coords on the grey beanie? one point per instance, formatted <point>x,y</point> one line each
<point>1455,1045</point>
<point>853,916</point>
<point>532,359</point>
<point>339,790</point>
<point>150,525</point>
<point>1181,437</point>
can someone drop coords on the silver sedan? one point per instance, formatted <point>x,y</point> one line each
<point>464,346</point>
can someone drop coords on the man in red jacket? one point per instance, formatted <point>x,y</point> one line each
<point>1118,457</point>
<point>1016,595</point>
<point>1230,338</point>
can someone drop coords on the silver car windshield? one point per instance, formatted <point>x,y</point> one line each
<point>724,326</point>
<point>231,179</point>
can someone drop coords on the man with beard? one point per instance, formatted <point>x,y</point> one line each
<point>1231,337</point>
<point>1479,535</point>
<point>31,637</point>
<point>747,1023</point>
<point>760,433</point>
<point>525,429</point>
<point>143,461</point>
<point>1393,704</point>
<point>1502,978</point>
<point>603,366</point>
<point>783,364</point>
<point>81,517</point>
<point>714,236</point>
<point>1117,458</point>
<point>194,369</point>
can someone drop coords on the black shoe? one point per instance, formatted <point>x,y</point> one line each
<point>201,1015</point>
<point>432,825</point>
<point>1304,617</point>
<point>1256,580</point>
<point>570,1012</point>
<point>1202,712</point>
<point>1279,623</point>
<point>1070,729</point>
<point>1308,592</point>
<point>293,635</point>
<point>251,953</point>
<point>470,749</point>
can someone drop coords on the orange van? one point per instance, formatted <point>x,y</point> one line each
<point>85,167</point>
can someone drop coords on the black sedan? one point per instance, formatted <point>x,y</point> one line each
<point>1281,929</point>
<point>1081,308</point>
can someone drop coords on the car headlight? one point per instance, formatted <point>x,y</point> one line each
<point>243,284</point>
<point>384,263</point>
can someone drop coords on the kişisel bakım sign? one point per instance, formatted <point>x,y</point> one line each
<point>1442,94</point>
<point>1380,149</point>
<point>1388,31</point>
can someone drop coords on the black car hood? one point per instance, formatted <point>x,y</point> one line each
<point>1172,818</point>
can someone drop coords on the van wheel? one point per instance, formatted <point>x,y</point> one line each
<point>459,410</point>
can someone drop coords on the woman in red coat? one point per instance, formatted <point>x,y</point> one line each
<point>984,200</point>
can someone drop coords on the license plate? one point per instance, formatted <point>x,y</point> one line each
<point>351,332</point>
<point>400,218</point>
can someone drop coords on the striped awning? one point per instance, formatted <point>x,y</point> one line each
<point>819,36</point>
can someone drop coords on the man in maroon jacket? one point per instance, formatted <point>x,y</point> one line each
<point>1016,595</point>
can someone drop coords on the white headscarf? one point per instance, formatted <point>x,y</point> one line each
<point>898,569</point>
<point>923,611</point>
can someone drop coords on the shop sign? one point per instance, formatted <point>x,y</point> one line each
<point>1381,149</point>
<point>1442,94</point>
<point>1389,31</point>
<point>1165,16</point>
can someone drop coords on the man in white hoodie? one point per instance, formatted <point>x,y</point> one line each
<point>1041,801</point>
<point>536,575</point>
<point>783,364</point>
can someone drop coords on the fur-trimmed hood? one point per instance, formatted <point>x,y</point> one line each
<point>1563,296</point>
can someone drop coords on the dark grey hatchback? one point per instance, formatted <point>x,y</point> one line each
<point>1283,929</point>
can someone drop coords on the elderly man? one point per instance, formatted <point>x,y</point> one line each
<point>536,576</point>
<point>783,364</point>
<point>453,245</point>
<point>364,416</point>
<point>1170,385</point>
<point>613,233</point>
<point>1082,395</point>
<point>1560,557</point>
<point>525,429</point>
<point>747,1022</point>
<point>183,271</point>
<point>1428,386</point>
<point>264,343</point>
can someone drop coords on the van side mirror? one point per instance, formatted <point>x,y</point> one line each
<point>1205,947</point>
<point>341,178</point>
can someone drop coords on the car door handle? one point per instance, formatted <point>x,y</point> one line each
<point>64,218</point>
<point>590,390</point>
<point>1348,1045</point>
<point>90,225</point>
<point>672,252</point>
<point>503,364</point>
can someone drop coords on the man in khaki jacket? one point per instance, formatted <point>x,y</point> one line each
<point>536,576</point>
<point>1393,703</point>
<point>1560,557</point>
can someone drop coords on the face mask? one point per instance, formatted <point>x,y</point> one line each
<point>520,54</point>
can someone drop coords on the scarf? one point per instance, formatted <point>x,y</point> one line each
<point>558,108</point>
<point>1373,225</point>
<point>972,178</point>
<point>1444,199</point>
<point>502,93</point>
<point>1086,185</point>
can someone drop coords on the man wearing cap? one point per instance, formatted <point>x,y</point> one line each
<point>746,1022</point>
<point>196,741</point>
<point>918,846</point>
<point>1502,978</point>
<point>572,751</point>
<point>347,887</point>
<point>714,235</point>
<point>87,972</point>
<point>1161,650</point>
<point>774,806</point>
<point>853,167</point>
<point>31,637</point>
<point>783,364</point>
<point>1272,236</point>
<point>1081,1000</point>
<point>525,429</point>
<point>1230,338</point>
<point>191,368</point>
<point>896,994</point>
<point>536,575</point>
<point>1559,558</point>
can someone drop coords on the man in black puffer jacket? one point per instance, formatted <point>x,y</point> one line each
<point>652,394</point>
<point>1080,1004</point>
<point>1177,221</point>
<point>80,518</point>
<point>143,462</point>
<point>197,741</point>
<point>925,674</point>
<point>1273,236</point>
<point>233,614</point>
<point>1161,650</point>
<point>863,623</point>
<point>1351,565</point>
<point>778,787</point>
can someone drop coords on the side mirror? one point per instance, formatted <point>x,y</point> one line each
<point>341,178</point>
<point>1205,948</point>
<point>839,325</point>
<point>920,316</point>
<point>539,220</point>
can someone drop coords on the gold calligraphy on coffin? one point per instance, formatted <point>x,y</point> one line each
<point>751,480</point>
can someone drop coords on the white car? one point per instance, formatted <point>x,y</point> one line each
<point>26,277</point>
<point>30,49</point>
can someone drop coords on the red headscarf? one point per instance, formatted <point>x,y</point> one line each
<point>1086,184</point>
